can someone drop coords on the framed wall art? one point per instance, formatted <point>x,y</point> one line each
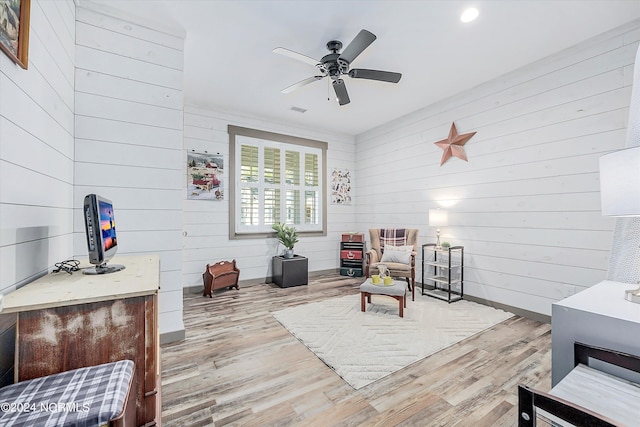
<point>340,187</point>
<point>14,30</point>
<point>205,174</point>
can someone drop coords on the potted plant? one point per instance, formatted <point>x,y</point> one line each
<point>288,236</point>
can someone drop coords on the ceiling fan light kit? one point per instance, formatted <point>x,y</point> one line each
<point>335,65</point>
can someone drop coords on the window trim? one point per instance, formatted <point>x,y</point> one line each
<point>233,175</point>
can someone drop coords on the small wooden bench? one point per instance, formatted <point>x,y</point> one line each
<point>586,396</point>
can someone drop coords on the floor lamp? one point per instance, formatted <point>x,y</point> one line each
<point>438,218</point>
<point>620,191</point>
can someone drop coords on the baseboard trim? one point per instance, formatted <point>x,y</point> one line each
<point>198,289</point>
<point>515,310</point>
<point>174,336</point>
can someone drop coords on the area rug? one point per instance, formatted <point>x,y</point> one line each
<point>364,347</point>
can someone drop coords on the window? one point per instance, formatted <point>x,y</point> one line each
<point>276,178</point>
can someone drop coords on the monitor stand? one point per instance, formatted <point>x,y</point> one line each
<point>103,269</point>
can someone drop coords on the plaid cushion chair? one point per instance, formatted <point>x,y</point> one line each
<point>401,245</point>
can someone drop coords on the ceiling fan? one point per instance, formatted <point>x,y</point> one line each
<point>336,64</point>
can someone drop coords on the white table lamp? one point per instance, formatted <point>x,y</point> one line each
<point>438,218</point>
<point>620,190</point>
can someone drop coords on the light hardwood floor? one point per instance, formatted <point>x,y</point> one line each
<point>239,367</point>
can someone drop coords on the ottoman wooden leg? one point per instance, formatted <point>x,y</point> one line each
<point>401,305</point>
<point>362,303</point>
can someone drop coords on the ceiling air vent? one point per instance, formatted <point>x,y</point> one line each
<point>298,109</point>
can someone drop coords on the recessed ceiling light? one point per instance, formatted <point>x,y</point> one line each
<point>469,14</point>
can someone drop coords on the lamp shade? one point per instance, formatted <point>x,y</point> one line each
<point>438,218</point>
<point>620,182</point>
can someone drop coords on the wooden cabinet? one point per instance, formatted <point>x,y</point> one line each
<point>352,249</point>
<point>72,321</point>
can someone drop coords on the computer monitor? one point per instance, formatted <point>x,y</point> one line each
<point>100,227</point>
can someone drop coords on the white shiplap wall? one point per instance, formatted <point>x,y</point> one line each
<point>36,148</point>
<point>128,146</point>
<point>206,223</point>
<point>526,206</point>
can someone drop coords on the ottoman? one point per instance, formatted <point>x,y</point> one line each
<point>396,290</point>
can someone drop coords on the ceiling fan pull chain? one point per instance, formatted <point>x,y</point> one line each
<point>328,91</point>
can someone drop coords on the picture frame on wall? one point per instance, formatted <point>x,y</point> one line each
<point>205,176</point>
<point>340,187</point>
<point>14,30</point>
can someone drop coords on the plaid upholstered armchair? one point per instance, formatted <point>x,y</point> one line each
<point>401,246</point>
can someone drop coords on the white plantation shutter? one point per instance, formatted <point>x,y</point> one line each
<point>292,207</point>
<point>250,206</point>
<point>311,172</point>
<point>249,163</point>
<point>276,181</point>
<point>271,206</point>
<point>271,171</point>
<point>292,167</point>
<point>311,202</point>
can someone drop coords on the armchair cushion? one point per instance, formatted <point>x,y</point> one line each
<point>401,254</point>
<point>394,267</point>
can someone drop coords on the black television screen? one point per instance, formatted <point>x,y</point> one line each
<point>100,227</point>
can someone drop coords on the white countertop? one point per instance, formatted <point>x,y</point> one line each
<point>606,298</point>
<point>140,277</point>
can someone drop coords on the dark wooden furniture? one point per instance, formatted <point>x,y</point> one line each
<point>68,321</point>
<point>586,396</point>
<point>223,274</point>
<point>352,250</point>
<point>289,272</point>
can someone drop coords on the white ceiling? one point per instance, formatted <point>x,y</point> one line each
<point>229,64</point>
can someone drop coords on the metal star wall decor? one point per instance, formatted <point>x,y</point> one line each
<point>453,144</point>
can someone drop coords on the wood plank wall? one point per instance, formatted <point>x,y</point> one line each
<point>206,223</point>
<point>526,205</point>
<point>36,158</point>
<point>36,148</point>
<point>129,115</point>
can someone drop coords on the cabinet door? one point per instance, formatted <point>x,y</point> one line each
<point>63,338</point>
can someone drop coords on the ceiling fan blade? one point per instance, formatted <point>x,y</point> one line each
<point>341,92</point>
<point>296,55</point>
<point>300,84</point>
<point>383,76</point>
<point>357,45</point>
